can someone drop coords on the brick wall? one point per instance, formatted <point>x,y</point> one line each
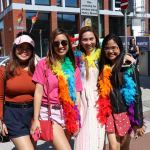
<point>11,28</point>
<point>106,18</point>
<point>8,33</point>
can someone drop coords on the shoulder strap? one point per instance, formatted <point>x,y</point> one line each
<point>47,86</point>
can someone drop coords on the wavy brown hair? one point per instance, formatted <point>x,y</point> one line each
<point>14,63</point>
<point>51,53</point>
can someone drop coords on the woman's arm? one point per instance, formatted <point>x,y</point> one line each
<point>37,100</point>
<point>1,91</point>
<point>139,129</point>
<point>137,50</point>
<point>37,105</point>
<point>78,99</point>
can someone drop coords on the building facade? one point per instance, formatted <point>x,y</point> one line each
<point>66,14</point>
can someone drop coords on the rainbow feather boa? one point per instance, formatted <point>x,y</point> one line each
<point>66,84</point>
<point>103,103</point>
<point>128,92</point>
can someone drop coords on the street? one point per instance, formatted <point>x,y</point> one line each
<point>142,143</point>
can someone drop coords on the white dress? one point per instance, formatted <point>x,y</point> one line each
<point>92,134</point>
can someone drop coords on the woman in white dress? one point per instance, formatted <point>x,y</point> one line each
<point>92,133</point>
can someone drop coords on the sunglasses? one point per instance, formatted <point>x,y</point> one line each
<point>63,43</point>
<point>24,48</point>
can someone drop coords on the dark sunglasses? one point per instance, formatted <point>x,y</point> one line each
<point>22,48</point>
<point>63,43</point>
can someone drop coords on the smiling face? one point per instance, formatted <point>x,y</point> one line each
<point>23,52</point>
<point>88,41</point>
<point>112,50</point>
<point>60,45</point>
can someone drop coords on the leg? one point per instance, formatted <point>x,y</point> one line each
<point>125,142</point>
<point>59,138</point>
<point>114,142</point>
<point>23,143</point>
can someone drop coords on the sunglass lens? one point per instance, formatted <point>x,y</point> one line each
<point>56,44</point>
<point>64,42</point>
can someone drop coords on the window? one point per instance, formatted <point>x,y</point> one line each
<point>40,32</point>
<point>67,22</point>
<point>71,3</point>
<point>117,4</point>
<point>42,2</point>
<point>59,2</point>
<point>101,4</point>
<point>28,1</point>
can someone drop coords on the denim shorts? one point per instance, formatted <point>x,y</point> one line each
<point>56,115</point>
<point>18,121</point>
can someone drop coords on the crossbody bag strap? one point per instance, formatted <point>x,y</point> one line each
<point>47,86</point>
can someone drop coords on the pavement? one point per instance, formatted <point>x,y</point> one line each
<point>142,143</point>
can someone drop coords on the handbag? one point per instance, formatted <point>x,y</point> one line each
<point>46,130</point>
<point>4,139</point>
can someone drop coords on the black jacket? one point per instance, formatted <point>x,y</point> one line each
<point>117,102</point>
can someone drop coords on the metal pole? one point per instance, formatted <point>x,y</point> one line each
<point>41,43</point>
<point>99,25</point>
<point>80,16</point>
<point>126,33</point>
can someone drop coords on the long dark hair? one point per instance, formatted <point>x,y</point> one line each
<point>14,62</point>
<point>131,44</point>
<point>52,53</point>
<point>82,31</point>
<point>104,60</point>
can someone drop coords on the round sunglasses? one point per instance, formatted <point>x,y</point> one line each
<point>63,43</point>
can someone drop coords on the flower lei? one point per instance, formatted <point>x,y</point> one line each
<point>66,85</point>
<point>103,103</point>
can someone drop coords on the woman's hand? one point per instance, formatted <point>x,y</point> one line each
<point>129,58</point>
<point>4,129</point>
<point>0,126</point>
<point>35,125</point>
<point>139,131</point>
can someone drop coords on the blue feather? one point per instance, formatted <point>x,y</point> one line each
<point>128,90</point>
<point>68,69</point>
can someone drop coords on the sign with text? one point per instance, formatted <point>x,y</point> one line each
<point>89,8</point>
<point>143,42</point>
